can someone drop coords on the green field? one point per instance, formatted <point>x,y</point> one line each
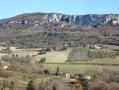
<point>100,61</point>
<point>25,52</point>
<point>78,68</point>
<point>55,56</point>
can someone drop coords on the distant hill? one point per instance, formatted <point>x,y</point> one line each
<point>53,29</point>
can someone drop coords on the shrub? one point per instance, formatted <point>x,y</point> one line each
<point>48,49</point>
<point>30,86</point>
<point>95,76</point>
<point>46,71</point>
<point>64,48</point>
<point>42,60</point>
<point>76,76</point>
<point>78,86</point>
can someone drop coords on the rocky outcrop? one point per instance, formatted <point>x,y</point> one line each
<point>41,18</point>
<point>90,20</point>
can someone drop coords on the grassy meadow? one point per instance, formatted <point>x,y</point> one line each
<point>78,68</point>
<point>55,56</point>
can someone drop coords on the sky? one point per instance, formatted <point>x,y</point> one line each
<point>10,8</point>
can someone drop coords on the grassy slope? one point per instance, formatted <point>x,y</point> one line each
<point>55,56</point>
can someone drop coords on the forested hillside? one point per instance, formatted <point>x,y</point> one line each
<point>46,30</point>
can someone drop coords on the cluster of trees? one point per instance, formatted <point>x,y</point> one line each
<point>40,40</point>
<point>22,63</point>
<point>85,54</point>
<point>103,54</point>
<point>103,80</point>
<point>52,84</point>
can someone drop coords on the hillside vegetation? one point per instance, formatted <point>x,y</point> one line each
<point>47,30</point>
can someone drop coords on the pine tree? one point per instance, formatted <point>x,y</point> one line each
<point>57,72</point>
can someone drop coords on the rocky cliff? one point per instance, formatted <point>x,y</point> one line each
<point>90,20</point>
<point>41,18</point>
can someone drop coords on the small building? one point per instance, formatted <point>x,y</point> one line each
<point>66,74</point>
<point>5,67</point>
<point>95,47</point>
<point>87,77</point>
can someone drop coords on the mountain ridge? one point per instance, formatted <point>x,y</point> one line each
<point>88,19</point>
<point>48,30</point>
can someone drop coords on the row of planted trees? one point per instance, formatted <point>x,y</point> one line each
<point>85,54</point>
<point>102,54</point>
<point>78,54</point>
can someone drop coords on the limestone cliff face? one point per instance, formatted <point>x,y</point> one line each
<point>90,20</point>
<point>40,18</point>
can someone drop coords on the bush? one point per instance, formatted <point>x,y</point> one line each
<point>48,49</point>
<point>78,86</point>
<point>30,85</point>
<point>42,60</point>
<point>46,71</point>
<point>64,48</point>
<point>95,76</point>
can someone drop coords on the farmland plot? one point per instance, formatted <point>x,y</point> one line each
<point>79,54</point>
